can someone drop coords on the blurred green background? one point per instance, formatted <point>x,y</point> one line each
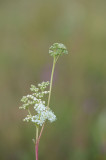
<point>27,30</point>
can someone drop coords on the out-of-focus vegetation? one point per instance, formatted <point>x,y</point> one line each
<point>27,30</point>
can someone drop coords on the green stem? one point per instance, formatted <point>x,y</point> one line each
<point>29,112</point>
<point>37,133</point>
<point>51,81</point>
<point>37,143</point>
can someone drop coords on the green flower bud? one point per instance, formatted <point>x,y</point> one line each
<point>57,49</point>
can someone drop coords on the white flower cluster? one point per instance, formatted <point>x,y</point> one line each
<point>43,112</point>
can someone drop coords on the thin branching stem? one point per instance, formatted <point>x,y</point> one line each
<point>37,143</point>
<point>51,82</point>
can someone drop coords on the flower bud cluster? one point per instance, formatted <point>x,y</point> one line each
<point>43,85</point>
<point>43,112</point>
<point>57,49</point>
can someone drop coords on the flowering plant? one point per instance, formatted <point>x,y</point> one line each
<point>35,100</point>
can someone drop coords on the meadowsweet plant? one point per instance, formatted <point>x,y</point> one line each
<point>42,109</point>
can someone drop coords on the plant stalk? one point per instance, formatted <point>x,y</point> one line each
<point>51,82</point>
<point>37,143</point>
<point>36,150</point>
<point>48,103</point>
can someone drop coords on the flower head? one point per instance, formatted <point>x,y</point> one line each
<point>57,49</point>
<point>42,112</point>
<point>43,115</point>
